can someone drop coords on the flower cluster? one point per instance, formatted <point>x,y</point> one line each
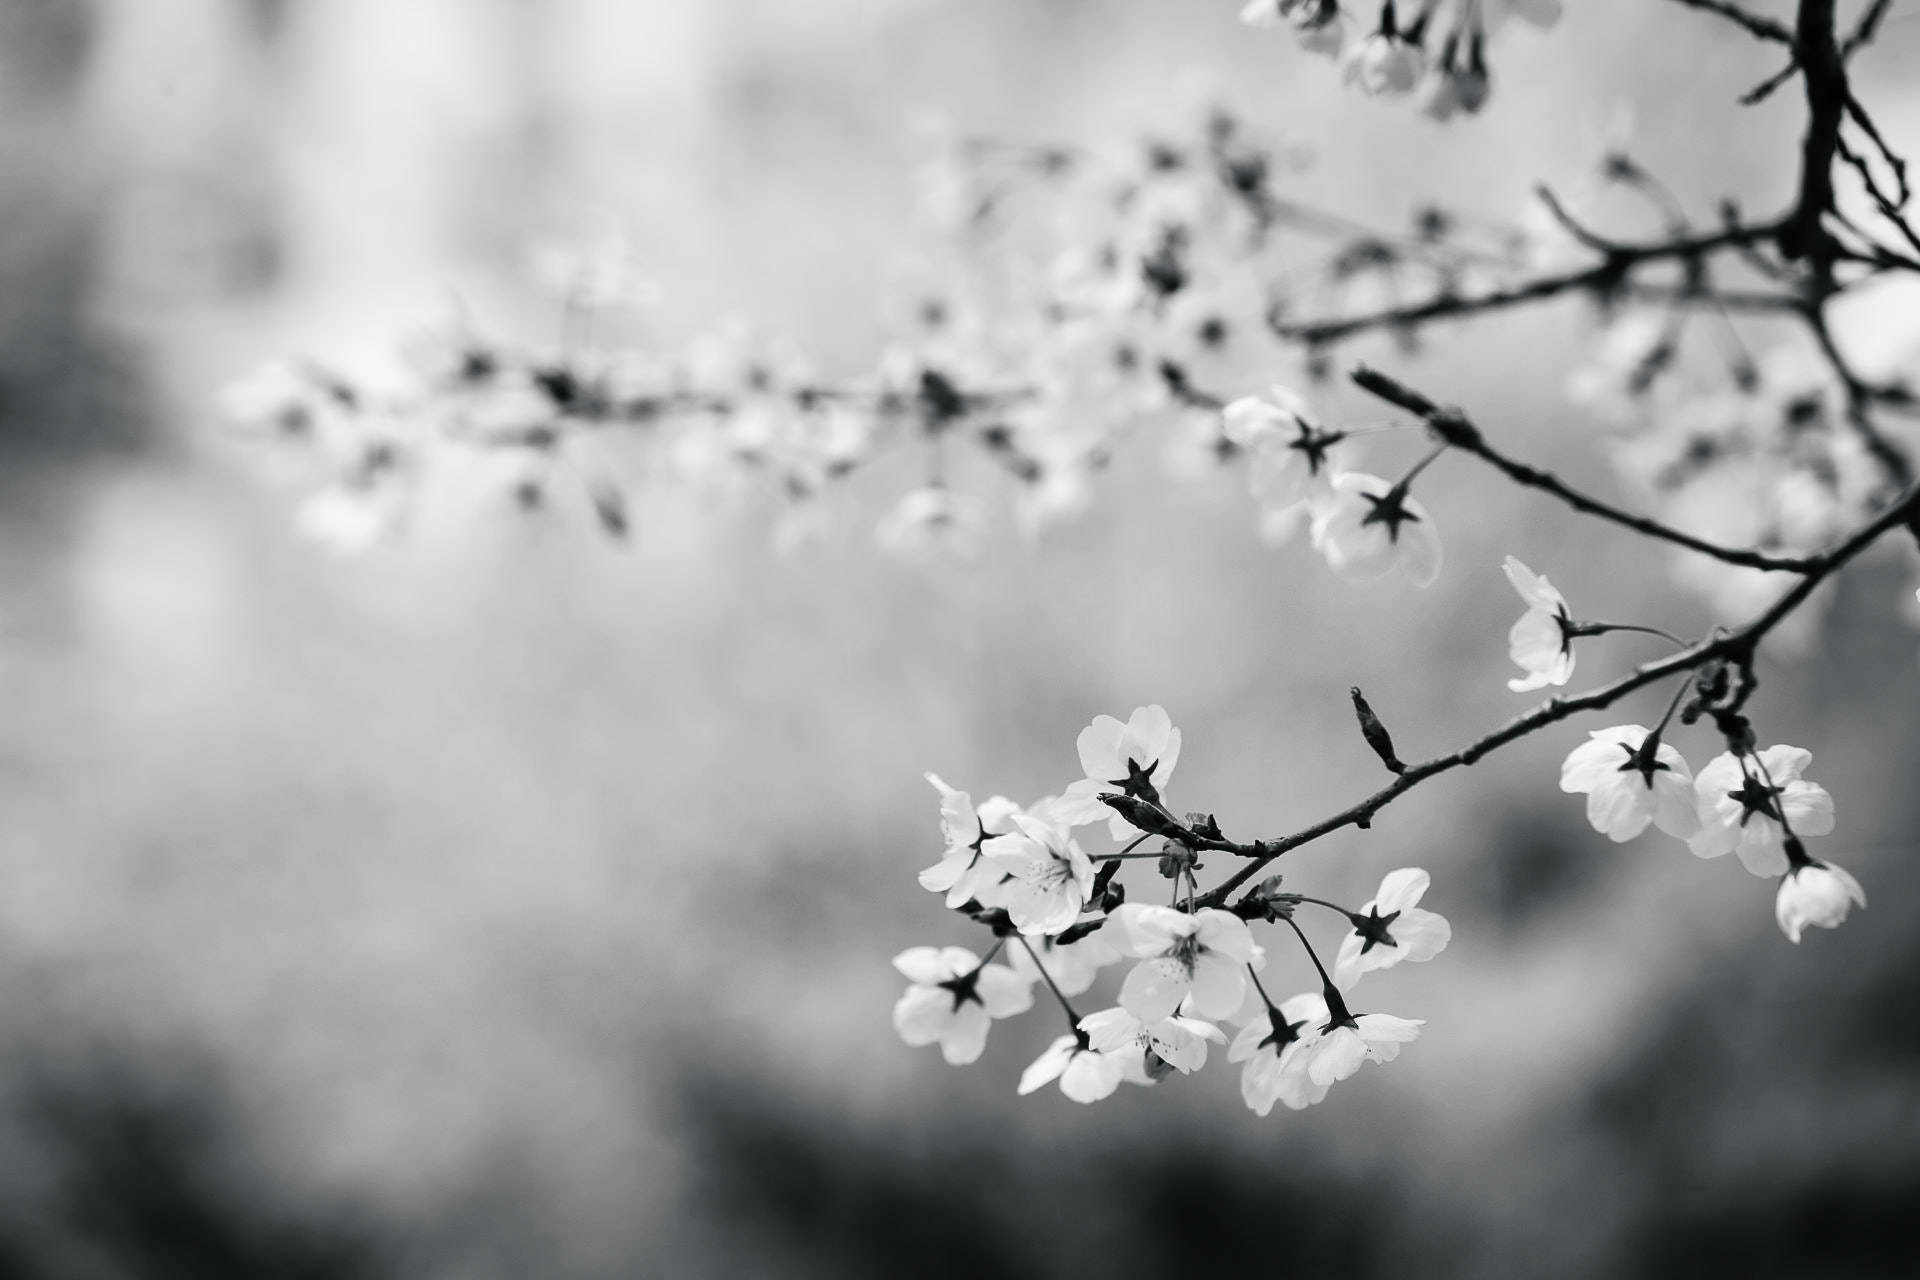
<point>1166,267</point>
<point>1436,48</point>
<point>1061,915</point>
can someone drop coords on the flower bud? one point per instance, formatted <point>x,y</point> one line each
<point>1818,893</point>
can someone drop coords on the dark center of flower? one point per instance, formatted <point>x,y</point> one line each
<point>1388,509</point>
<point>1372,927</point>
<point>1284,1033</point>
<point>1139,781</point>
<point>1185,952</point>
<point>1314,445</point>
<point>1756,796</point>
<point>1643,762</point>
<point>964,988</point>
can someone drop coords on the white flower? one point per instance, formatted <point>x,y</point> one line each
<point>1050,875</point>
<point>1085,1075</point>
<point>1271,1047</point>
<point>1370,526</point>
<point>1204,954</point>
<point>933,521</point>
<point>1292,460</point>
<point>1148,1049</point>
<point>1391,928</point>
<point>1541,642</point>
<point>1385,63</point>
<point>1335,1050</point>
<point>1315,22</point>
<point>1130,757</point>
<point>1817,893</point>
<point>350,519</point>
<point>1073,965</point>
<point>954,998</point>
<point>1740,813</point>
<point>964,871</point>
<point>1626,789</point>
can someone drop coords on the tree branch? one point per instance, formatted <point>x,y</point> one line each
<point>1737,646</point>
<point>1453,426</point>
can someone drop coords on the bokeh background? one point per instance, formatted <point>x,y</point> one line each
<point>512,903</point>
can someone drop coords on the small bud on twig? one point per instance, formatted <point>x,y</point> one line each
<point>1150,818</point>
<point>1375,733</point>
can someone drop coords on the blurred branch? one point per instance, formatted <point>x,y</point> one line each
<point>1755,25</point>
<point>1608,276</point>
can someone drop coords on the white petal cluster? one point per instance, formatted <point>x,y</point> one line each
<point>1186,969</point>
<point>1628,787</point>
<point>953,999</point>
<point>1818,893</point>
<point>1541,642</point>
<point>1371,526</point>
<point>1741,807</point>
<point>1392,928</point>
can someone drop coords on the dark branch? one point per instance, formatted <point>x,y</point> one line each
<point>1738,646</point>
<point>1456,429</point>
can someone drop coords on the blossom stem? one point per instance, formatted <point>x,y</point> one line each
<point>1312,955</point>
<point>1322,902</point>
<point>1406,481</point>
<point>1673,704</point>
<point>1602,628</point>
<point>1073,1019</point>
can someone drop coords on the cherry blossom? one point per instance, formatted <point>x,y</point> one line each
<point>1291,458</point>
<point>1371,526</point>
<point>1085,1074</point>
<point>1541,642</point>
<point>964,872</point>
<point>1386,63</point>
<point>1270,1046</point>
<point>1049,874</point>
<point>1136,757</point>
<point>1147,1048</point>
<point>953,999</point>
<point>1628,786</point>
<point>1741,807</point>
<point>1391,928</point>
<point>1204,954</point>
<point>1817,893</point>
<point>1337,1049</point>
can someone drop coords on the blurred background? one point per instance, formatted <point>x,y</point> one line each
<point>513,903</point>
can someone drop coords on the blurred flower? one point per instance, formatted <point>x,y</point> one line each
<point>953,1000</point>
<point>1741,811</point>
<point>1292,459</point>
<point>1818,893</point>
<point>1270,1045</point>
<point>1085,1075</point>
<point>1391,928</point>
<point>1146,1048</point>
<point>1204,954</point>
<point>1317,23</point>
<point>931,522</point>
<point>1386,62</point>
<point>1627,787</point>
<point>1073,966</point>
<point>1370,526</point>
<point>964,872</point>
<point>1050,876</point>
<point>1541,642</point>
<point>283,398</point>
